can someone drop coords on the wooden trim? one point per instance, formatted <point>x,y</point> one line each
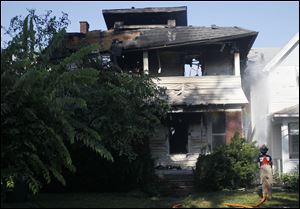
<point>237,68</point>
<point>145,62</point>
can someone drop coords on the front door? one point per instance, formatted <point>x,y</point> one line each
<point>178,136</point>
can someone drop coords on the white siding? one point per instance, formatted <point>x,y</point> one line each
<point>203,90</point>
<point>197,142</point>
<point>159,143</point>
<point>292,59</point>
<point>284,91</point>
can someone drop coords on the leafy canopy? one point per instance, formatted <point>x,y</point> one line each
<point>46,106</point>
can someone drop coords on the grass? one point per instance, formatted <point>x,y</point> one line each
<point>92,200</point>
<point>139,200</point>
<point>217,199</point>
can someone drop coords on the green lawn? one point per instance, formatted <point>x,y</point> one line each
<point>139,200</point>
<point>217,199</point>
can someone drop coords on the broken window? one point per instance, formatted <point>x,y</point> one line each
<point>218,129</point>
<point>178,135</point>
<point>294,140</point>
<point>193,67</point>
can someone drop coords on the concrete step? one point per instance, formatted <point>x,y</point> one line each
<point>176,184</point>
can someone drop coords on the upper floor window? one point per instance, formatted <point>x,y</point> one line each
<point>194,67</point>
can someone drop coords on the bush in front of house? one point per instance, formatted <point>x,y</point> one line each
<point>99,175</point>
<point>228,167</point>
<point>290,180</point>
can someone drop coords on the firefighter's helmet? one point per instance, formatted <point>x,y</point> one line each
<point>263,149</point>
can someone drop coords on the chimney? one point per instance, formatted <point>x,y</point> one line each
<point>84,27</point>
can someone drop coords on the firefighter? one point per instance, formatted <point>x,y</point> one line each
<point>265,169</point>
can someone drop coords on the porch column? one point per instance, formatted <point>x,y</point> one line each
<point>236,63</point>
<point>158,60</point>
<point>145,62</point>
<point>285,145</point>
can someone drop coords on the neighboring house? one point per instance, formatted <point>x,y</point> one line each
<point>258,58</point>
<point>201,68</point>
<point>273,89</point>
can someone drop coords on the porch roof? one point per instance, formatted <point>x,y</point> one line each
<point>157,38</point>
<point>292,111</point>
<point>203,90</point>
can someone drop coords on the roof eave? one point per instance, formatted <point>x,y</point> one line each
<point>283,53</point>
<point>286,115</point>
<point>205,41</point>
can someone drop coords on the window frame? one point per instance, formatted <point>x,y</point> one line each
<point>213,134</point>
<point>293,155</point>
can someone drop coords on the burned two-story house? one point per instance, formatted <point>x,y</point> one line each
<point>201,68</point>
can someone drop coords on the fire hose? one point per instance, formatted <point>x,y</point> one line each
<point>246,206</point>
<point>266,191</point>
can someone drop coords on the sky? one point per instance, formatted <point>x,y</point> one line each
<point>276,21</point>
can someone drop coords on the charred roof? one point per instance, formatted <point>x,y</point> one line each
<point>159,33</point>
<point>143,39</point>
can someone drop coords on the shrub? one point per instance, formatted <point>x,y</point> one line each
<point>212,171</point>
<point>291,180</point>
<point>230,166</point>
<point>98,175</point>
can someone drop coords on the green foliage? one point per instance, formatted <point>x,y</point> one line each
<point>231,166</point>
<point>39,30</point>
<point>290,180</point>
<point>95,174</point>
<point>49,104</point>
<point>126,108</point>
<point>38,101</point>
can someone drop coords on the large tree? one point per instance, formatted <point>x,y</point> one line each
<point>46,105</point>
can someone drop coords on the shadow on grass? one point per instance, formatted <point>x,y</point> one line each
<point>283,202</point>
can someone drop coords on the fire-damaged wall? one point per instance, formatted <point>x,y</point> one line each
<point>174,145</point>
<point>205,132</point>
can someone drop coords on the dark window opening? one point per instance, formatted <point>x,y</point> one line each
<point>178,135</point>
<point>131,62</point>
